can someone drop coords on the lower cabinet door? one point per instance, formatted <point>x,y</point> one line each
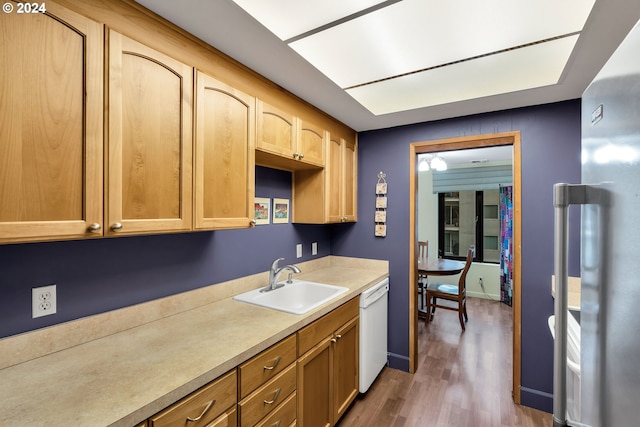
<point>315,385</point>
<point>346,364</point>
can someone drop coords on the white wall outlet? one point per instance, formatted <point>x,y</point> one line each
<point>43,301</point>
<point>314,248</point>
<point>299,250</point>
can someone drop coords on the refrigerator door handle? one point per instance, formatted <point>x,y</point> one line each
<point>564,195</point>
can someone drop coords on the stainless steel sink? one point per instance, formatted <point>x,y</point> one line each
<point>298,297</point>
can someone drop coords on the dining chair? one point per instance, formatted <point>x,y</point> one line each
<point>423,253</point>
<point>453,293</point>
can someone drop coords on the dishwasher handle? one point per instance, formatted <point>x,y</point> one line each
<point>374,293</point>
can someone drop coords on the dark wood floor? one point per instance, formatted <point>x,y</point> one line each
<point>463,379</point>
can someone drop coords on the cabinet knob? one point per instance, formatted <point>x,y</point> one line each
<point>296,155</point>
<point>338,336</point>
<point>301,156</point>
<point>117,226</point>
<point>253,222</point>
<point>94,227</point>
<point>333,340</point>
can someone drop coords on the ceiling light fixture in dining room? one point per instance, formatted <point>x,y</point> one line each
<point>429,162</point>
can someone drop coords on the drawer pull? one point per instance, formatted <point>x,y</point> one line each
<point>275,397</point>
<point>193,420</point>
<point>275,363</point>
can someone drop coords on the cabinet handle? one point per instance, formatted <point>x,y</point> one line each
<point>338,336</point>
<point>193,420</point>
<point>296,155</point>
<point>117,226</point>
<point>277,424</point>
<point>275,397</point>
<point>275,363</point>
<point>301,156</point>
<point>253,222</point>
<point>94,227</point>
<point>333,340</point>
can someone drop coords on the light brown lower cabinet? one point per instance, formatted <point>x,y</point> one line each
<point>228,419</point>
<point>307,379</point>
<point>267,398</point>
<point>203,407</point>
<point>328,371</point>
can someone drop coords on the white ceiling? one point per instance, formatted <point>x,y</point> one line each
<point>460,34</point>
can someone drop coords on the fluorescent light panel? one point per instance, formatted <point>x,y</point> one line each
<point>289,18</point>
<point>519,69</point>
<point>414,36</point>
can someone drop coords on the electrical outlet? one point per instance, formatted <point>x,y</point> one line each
<point>299,250</point>
<point>314,248</point>
<point>43,301</point>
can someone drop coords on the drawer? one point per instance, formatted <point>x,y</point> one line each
<point>283,416</point>
<point>228,419</point>
<point>266,365</point>
<point>312,334</point>
<point>222,392</point>
<point>265,399</point>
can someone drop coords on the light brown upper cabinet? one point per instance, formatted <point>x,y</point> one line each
<point>328,195</point>
<point>149,180</point>
<point>224,155</point>
<point>342,179</point>
<point>50,126</point>
<point>312,144</point>
<point>285,141</point>
<point>328,366</point>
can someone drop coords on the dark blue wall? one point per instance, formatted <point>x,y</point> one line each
<point>96,276</point>
<point>550,142</point>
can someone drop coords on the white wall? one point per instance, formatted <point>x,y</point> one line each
<point>490,274</point>
<point>427,226</point>
<point>427,217</point>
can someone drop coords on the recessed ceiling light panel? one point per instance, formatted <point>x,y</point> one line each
<point>520,69</point>
<point>289,18</point>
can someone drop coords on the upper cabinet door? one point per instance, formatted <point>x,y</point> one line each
<point>50,126</point>
<point>224,155</point>
<point>350,180</point>
<point>149,140</point>
<point>277,131</point>
<point>335,190</point>
<point>312,144</point>
<point>341,182</point>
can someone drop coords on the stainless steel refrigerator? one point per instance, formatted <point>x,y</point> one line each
<point>605,390</point>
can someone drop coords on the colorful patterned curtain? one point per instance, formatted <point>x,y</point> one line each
<point>506,244</point>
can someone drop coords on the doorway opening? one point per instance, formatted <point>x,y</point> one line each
<point>464,143</point>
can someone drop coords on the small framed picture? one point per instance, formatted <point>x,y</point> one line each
<point>381,188</point>
<point>262,210</point>
<point>381,216</point>
<point>381,230</point>
<point>381,203</point>
<point>280,211</point>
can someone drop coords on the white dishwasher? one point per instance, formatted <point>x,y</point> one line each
<point>373,333</point>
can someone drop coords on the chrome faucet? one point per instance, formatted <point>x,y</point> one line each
<point>274,274</point>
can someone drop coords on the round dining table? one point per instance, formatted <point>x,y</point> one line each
<point>439,266</point>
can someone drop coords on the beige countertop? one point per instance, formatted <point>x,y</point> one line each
<point>124,377</point>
